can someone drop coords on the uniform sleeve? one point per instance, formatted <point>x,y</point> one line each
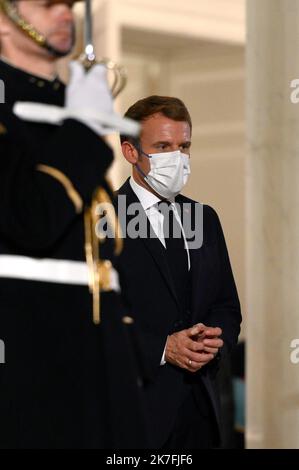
<point>45,184</point>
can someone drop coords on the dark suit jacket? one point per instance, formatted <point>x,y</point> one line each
<point>150,292</point>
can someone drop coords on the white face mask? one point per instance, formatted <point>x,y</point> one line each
<point>169,172</point>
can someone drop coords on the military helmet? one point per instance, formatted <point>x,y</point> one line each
<point>10,9</point>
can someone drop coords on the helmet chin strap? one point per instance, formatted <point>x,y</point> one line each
<point>10,10</point>
<point>55,52</point>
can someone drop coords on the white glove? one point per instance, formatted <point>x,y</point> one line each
<point>88,99</point>
<point>89,91</point>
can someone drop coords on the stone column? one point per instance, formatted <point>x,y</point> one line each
<point>272,176</point>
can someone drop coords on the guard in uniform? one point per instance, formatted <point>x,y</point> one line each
<point>71,378</point>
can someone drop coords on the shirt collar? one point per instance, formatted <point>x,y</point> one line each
<point>146,198</point>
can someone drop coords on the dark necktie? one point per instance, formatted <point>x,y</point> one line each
<point>176,252</point>
<point>172,230</point>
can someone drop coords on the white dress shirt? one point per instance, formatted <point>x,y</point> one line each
<point>150,203</point>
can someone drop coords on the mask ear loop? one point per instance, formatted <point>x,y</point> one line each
<point>140,171</point>
<point>140,151</point>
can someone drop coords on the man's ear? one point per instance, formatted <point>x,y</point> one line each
<point>129,152</point>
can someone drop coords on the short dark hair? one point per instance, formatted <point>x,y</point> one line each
<point>170,107</point>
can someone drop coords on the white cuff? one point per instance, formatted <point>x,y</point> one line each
<point>37,112</point>
<point>163,362</point>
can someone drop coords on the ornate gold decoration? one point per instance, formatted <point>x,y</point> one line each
<point>66,183</point>
<point>11,11</point>
<point>99,270</point>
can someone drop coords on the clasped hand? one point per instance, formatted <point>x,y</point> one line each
<point>194,347</point>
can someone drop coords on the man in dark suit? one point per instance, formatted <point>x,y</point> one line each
<point>177,281</point>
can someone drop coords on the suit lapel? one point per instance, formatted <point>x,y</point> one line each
<point>156,249</point>
<point>151,243</point>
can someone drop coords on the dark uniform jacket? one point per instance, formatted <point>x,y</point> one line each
<point>211,298</point>
<point>66,383</point>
